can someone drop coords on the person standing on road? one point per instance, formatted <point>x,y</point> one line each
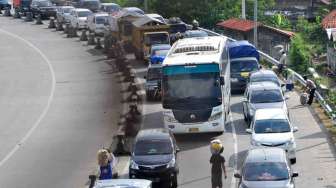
<point>311,88</point>
<point>106,161</point>
<point>218,164</point>
<point>282,62</point>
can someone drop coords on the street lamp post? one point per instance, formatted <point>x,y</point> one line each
<point>255,33</point>
<point>243,10</point>
<point>146,5</point>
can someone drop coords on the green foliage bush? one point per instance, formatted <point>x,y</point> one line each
<point>299,55</point>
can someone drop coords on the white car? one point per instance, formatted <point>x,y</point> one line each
<point>131,183</point>
<point>63,14</point>
<point>96,23</point>
<point>272,128</point>
<point>79,18</point>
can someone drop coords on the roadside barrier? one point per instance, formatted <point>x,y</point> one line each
<point>67,28</point>
<point>52,24</point>
<point>69,32</point>
<point>29,17</point>
<point>39,20</point>
<point>83,36</point>
<point>59,26</point>
<point>7,12</point>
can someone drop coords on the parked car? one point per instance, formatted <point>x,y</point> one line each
<point>272,128</point>
<point>266,167</point>
<point>79,18</point>
<point>126,183</point>
<point>195,33</point>
<point>43,7</point>
<point>110,7</point>
<point>63,14</point>
<point>264,75</point>
<point>154,157</point>
<point>153,78</point>
<point>96,23</point>
<point>262,95</point>
<point>93,5</point>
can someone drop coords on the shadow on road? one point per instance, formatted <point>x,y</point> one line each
<point>192,141</point>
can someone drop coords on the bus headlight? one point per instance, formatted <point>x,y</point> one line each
<point>215,116</point>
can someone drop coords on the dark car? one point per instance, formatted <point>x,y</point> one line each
<point>44,8</point>
<point>154,157</point>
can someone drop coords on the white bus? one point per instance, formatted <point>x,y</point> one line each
<point>196,85</point>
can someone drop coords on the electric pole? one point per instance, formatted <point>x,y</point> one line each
<point>146,5</point>
<point>243,10</point>
<point>255,34</point>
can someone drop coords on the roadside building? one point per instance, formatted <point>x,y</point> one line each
<point>268,37</point>
<point>329,24</point>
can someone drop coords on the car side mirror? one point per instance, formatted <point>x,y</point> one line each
<point>295,129</point>
<point>295,174</point>
<point>222,82</point>
<point>249,131</point>
<point>236,175</point>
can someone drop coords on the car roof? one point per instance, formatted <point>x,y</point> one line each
<point>101,14</point>
<point>263,72</point>
<point>161,46</point>
<point>134,183</point>
<point>82,10</point>
<point>106,4</point>
<point>157,133</point>
<point>270,113</point>
<point>263,86</point>
<point>66,7</point>
<point>264,154</point>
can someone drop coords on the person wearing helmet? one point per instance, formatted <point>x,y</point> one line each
<point>218,164</point>
<point>195,25</point>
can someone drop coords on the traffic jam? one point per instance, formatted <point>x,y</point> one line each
<point>193,76</point>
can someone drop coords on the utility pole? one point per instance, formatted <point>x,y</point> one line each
<point>243,9</point>
<point>255,33</point>
<point>146,5</point>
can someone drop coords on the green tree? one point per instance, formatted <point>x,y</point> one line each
<point>299,54</point>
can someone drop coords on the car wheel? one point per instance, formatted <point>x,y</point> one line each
<point>174,181</point>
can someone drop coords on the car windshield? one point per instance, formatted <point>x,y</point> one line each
<point>67,10</point>
<point>154,74</point>
<point>255,79</point>
<point>197,89</point>
<point>265,171</point>
<point>101,19</point>
<point>153,147</point>
<point>266,96</point>
<point>272,126</point>
<point>243,66</point>
<point>192,34</point>
<point>45,3</point>
<point>84,13</point>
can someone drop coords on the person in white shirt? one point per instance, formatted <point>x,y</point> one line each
<point>282,62</point>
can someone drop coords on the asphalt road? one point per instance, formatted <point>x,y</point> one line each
<point>315,155</point>
<point>59,103</point>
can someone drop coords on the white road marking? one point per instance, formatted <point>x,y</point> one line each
<point>46,108</point>
<point>235,140</point>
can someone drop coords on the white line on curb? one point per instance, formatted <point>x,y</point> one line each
<point>235,140</point>
<point>46,108</point>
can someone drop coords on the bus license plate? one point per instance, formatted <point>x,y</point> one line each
<point>193,130</point>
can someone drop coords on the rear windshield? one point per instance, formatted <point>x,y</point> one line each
<point>273,79</point>
<point>243,66</point>
<point>271,126</point>
<point>101,19</point>
<point>266,171</point>
<point>153,147</point>
<point>84,13</point>
<point>266,96</point>
<point>67,10</point>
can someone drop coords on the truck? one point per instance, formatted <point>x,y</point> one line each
<point>244,58</point>
<point>146,32</point>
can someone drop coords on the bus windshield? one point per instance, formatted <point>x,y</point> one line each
<point>195,87</point>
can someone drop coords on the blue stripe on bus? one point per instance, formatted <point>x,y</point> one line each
<point>182,69</point>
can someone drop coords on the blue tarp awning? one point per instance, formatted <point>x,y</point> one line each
<point>243,48</point>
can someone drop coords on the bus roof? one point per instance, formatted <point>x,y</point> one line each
<point>196,50</point>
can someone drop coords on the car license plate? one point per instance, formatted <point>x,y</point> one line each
<point>193,130</point>
<point>244,74</point>
<point>234,79</point>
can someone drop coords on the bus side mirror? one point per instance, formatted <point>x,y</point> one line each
<point>222,82</point>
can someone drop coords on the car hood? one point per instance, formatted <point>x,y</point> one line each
<point>268,184</point>
<point>152,159</point>
<point>273,138</point>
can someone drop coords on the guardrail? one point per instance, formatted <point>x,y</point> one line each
<point>297,77</point>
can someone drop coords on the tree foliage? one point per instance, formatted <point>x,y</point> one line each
<point>299,54</point>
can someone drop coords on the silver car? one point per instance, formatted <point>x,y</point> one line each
<point>262,95</point>
<point>264,76</point>
<point>266,167</point>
